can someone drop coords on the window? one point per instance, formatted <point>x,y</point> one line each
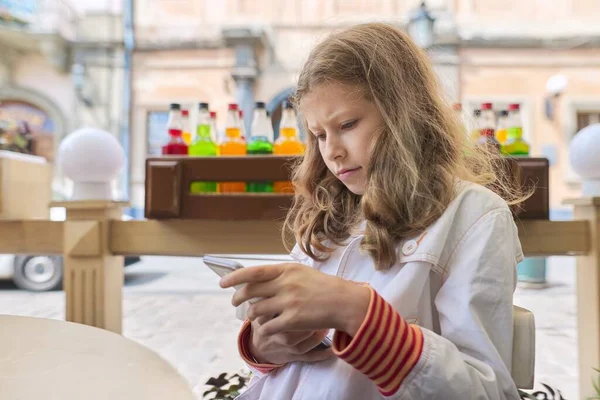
<point>585,118</point>
<point>157,131</point>
<point>579,113</point>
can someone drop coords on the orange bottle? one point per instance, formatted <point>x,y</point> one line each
<point>288,143</point>
<point>232,145</point>
<point>186,133</point>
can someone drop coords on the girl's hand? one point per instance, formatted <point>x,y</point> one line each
<point>285,347</point>
<point>297,298</point>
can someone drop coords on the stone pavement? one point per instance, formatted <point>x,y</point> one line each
<point>555,310</point>
<point>175,307</point>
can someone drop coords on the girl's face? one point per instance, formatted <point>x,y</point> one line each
<point>344,124</point>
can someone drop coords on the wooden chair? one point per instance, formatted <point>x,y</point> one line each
<point>523,351</point>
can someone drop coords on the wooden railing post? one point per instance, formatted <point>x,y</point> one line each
<point>93,276</point>
<point>588,297</point>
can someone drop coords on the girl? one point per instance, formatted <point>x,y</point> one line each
<point>402,252</point>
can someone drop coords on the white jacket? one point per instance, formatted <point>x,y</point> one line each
<point>456,281</point>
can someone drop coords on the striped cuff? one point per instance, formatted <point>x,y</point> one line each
<point>385,348</point>
<point>244,349</point>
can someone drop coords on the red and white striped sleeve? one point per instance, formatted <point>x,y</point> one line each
<point>385,348</point>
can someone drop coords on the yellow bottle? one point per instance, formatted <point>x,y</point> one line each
<point>501,132</point>
<point>232,145</point>
<point>288,143</point>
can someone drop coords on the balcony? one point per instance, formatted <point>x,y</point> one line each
<point>48,27</point>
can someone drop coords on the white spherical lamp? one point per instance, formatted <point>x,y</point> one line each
<point>92,159</point>
<point>557,84</point>
<point>584,150</point>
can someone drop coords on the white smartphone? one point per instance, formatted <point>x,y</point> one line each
<point>224,266</point>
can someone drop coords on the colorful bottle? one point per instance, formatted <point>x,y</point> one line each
<point>501,132</point>
<point>243,126</point>
<point>214,132</point>
<point>176,145</point>
<point>476,126</point>
<point>487,134</point>
<point>186,133</point>
<point>261,142</point>
<point>203,146</point>
<point>458,111</point>
<point>515,145</point>
<point>232,145</point>
<point>288,143</point>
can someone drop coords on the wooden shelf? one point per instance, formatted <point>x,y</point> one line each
<point>554,238</point>
<point>31,237</point>
<point>584,201</point>
<point>181,237</point>
<point>196,238</point>
<point>168,180</point>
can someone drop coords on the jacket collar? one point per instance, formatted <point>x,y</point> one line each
<point>436,244</point>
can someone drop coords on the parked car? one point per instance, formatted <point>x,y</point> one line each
<point>41,273</point>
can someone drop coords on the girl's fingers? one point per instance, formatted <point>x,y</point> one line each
<point>279,324</point>
<point>290,319</point>
<point>251,291</point>
<point>261,273</point>
<point>315,355</point>
<point>262,320</point>
<point>265,309</point>
<point>292,339</point>
<point>310,342</point>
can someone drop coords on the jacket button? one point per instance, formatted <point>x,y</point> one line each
<point>409,247</point>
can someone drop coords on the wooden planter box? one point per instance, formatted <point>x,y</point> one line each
<point>532,172</point>
<point>25,186</point>
<point>168,179</point>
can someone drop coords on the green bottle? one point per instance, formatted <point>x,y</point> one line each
<point>204,146</point>
<point>515,145</point>
<point>261,142</point>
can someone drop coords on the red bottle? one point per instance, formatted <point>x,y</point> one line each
<point>176,145</point>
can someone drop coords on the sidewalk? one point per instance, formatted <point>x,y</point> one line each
<point>556,327</point>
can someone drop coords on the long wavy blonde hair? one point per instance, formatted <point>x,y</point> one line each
<point>416,157</point>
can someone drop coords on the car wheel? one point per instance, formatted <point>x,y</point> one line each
<point>38,273</point>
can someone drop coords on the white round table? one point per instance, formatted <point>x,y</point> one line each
<point>51,359</point>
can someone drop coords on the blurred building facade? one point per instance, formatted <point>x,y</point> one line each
<point>61,68</point>
<point>500,51</point>
<point>65,64</point>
